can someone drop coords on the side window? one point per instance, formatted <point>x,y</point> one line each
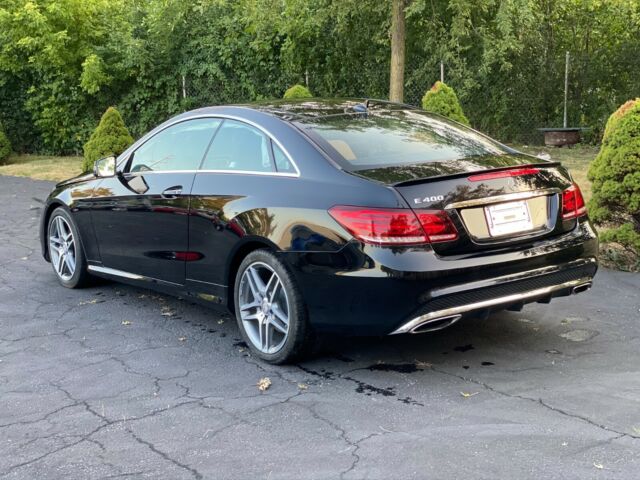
<point>239,147</point>
<point>282,162</point>
<point>179,147</point>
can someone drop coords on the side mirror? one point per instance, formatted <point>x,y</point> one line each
<point>105,167</point>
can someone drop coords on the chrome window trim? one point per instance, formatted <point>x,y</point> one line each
<point>221,116</point>
<point>477,202</point>
<point>241,172</point>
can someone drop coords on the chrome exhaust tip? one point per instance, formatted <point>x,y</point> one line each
<point>583,287</point>
<point>436,324</point>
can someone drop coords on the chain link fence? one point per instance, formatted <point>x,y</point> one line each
<point>510,104</point>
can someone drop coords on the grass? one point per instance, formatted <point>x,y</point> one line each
<point>42,167</point>
<point>576,159</point>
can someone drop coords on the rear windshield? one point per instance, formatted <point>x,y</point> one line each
<point>382,139</point>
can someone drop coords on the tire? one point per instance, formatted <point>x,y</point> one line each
<point>60,225</point>
<point>261,317</point>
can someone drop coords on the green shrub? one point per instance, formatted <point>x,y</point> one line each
<point>443,100</point>
<point>297,91</point>
<point>615,177</point>
<point>110,138</point>
<point>5,145</point>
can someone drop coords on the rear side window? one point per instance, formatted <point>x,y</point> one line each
<point>394,138</point>
<point>239,147</point>
<point>178,147</point>
<point>282,161</point>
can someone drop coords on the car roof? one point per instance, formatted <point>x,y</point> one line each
<point>309,109</point>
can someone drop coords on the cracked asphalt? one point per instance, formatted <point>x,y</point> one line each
<point>115,381</point>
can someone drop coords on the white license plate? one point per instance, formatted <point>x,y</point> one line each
<point>508,218</point>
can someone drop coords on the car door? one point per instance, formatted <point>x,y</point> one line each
<point>141,216</point>
<point>239,165</point>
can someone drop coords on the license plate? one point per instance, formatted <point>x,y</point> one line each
<point>508,218</point>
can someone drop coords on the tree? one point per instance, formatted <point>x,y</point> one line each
<point>396,77</point>
<point>111,137</point>
<point>297,91</point>
<point>441,99</point>
<point>615,177</point>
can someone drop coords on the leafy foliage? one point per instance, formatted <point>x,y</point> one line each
<point>443,100</point>
<point>5,145</point>
<point>615,174</point>
<point>297,91</point>
<point>111,137</point>
<point>62,62</point>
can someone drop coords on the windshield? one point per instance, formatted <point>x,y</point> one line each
<point>392,138</point>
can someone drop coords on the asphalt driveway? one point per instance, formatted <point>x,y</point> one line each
<point>116,381</point>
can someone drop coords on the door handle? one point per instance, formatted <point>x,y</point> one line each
<point>172,191</point>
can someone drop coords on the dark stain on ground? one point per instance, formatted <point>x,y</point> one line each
<point>464,348</point>
<point>394,367</point>
<point>322,374</point>
<point>241,344</point>
<point>466,367</point>
<point>410,401</point>
<point>367,389</point>
<point>211,330</point>
<point>487,364</point>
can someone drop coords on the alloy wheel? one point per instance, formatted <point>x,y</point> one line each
<point>62,248</point>
<point>264,307</point>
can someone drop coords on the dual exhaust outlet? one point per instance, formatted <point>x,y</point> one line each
<point>440,323</point>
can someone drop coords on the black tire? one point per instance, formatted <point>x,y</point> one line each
<point>80,277</point>
<point>300,336</point>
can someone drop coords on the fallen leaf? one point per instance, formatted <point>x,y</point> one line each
<point>303,386</point>
<point>182,339</point>
<point>564,444</point>
<point>167,312</point>
<point>264,384</point>
<point>420,364</point>
<point>24,258</point>
<point>89,302</point>
<point>599,466</point>
<point>220,322</point>
<point>467,395</point>
<point>636,430</point>
<point>126,322</point>
<point>241,349</point>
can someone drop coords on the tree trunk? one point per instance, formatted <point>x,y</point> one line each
<point>396,82</point>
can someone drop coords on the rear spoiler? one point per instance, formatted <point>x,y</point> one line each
<point>416,181</point>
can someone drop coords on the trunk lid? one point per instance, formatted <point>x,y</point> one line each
<point>484,197</point>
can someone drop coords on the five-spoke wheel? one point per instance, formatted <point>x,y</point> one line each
<point>270,309</point>
<point>65,250</point>
<point>62,248</point>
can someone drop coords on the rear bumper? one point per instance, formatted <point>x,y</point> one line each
<point>378,291</point>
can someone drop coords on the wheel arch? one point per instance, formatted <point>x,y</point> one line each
<point>236,258</point>
<point>45,225</point>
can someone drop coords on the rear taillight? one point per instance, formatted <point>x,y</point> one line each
<point>573,203</point>
<point>394,226</point>
<point>513,172</point>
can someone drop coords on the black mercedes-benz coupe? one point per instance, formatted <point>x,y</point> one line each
<point>352,216</point>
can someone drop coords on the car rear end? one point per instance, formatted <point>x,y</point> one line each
<point>482,228</point>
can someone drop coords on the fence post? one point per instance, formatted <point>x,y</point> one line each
<point>184,87</point>
<point>441,71</point>
<point>566,88</point>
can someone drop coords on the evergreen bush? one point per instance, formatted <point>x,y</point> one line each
<point>443,100</point>
<point>615,177</point>
<point>5,145</point>
<point>111,137</point>
<point>297,91</point>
